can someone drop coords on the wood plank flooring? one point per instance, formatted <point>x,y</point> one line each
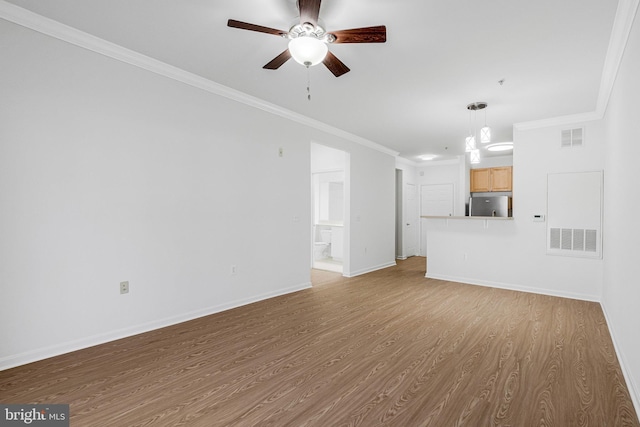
<point>387,348</point>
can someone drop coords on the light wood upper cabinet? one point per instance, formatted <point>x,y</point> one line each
<point>480,180</point>
<point>491,179</point>
<point>501,179</point>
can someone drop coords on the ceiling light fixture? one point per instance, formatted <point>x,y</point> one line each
<point>500,146</point>
<point>308,50</point>
<point>309,44</point>
<point>427,157</point>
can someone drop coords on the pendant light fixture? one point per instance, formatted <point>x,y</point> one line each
<point>470,141</point>
<point>485,132</point>
<point>474,156</point>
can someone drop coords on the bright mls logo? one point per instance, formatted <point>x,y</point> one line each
<point>34,415</point>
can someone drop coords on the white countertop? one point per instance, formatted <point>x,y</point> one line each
<point>490,218</point>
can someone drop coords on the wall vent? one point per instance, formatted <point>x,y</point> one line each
<point>574,214</point>
<point>572,138</point>
<point>573,239</point>
<point>591,241</point>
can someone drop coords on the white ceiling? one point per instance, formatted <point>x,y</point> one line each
<point>408,94</point>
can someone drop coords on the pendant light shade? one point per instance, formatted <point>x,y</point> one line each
<point>308,50</point>
<point>474,156</point>
<point>485,134</point>
<point>470,143</point>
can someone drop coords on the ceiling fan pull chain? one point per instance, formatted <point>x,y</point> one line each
<point>308,84</point>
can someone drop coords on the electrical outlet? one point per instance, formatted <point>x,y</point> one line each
<point>233,269</point>
<point>124,287</point>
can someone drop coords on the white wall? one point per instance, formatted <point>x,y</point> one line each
<point>325,159</point>
<point>109,173</point>
<point>621,291</point>
<point>372,210</point>
<point>446,172</point>
<point>494,161</point>
<point>512,253</point>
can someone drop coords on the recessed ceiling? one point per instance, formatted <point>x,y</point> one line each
<point>408,94</point>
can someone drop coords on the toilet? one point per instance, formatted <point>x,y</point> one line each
<point>321,248</point>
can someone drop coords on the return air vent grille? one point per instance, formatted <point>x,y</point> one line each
<point>574,214</point>
<point>573,239</point>
<point>572,138</point>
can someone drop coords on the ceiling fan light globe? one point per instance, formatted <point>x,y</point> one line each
<point>307,50</point>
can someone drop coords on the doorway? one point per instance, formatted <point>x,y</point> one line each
<point>406,217</point>
<point>329,200</point>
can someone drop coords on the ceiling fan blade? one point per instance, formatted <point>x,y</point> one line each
<point>276,62</point>
<point>309,11</point>
<point>253,27</point>
<point>376,34</point>
<point>335,65</point>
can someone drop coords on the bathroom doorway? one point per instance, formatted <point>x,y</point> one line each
<point>329,190</point>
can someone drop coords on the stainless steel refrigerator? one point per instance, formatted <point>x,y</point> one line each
<point>490,206</point>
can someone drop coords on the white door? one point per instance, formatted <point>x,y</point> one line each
<point>435,200</point>
<point>411,220</point>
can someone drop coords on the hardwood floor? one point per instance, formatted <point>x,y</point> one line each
<point>387,348</point>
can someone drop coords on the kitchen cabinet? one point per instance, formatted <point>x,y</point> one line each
<point>480,180</point>
<point>492,179</point>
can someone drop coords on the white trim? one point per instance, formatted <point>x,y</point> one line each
<point>512,287</point>
<point>405,161</point>
<point>55,29</point>
<point>558,121</point>
<point>634,390</point>
<point>625,15</point>
<point>14,360</point>
<point>426,163</point>
<point>443,162</point>
<point>369,270</point>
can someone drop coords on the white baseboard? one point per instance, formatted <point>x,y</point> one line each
<point>513,287</point>
<point>634,390</point>
<point>369,270</point>
<point>34,355</point>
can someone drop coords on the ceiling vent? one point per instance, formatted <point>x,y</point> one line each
<point>572,138</point>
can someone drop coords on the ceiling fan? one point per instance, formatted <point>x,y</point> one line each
<point>309,42</point>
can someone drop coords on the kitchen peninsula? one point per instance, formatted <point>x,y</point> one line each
<point>464,248</point>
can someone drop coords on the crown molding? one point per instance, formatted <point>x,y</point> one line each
<point>55,29</point>
<point>558,121</point>
<point>405,161</point>
<point>622,24</point>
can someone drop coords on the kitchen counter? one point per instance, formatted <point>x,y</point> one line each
<point>486,218</point>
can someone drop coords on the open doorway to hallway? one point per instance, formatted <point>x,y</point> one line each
<point>329,200</point>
